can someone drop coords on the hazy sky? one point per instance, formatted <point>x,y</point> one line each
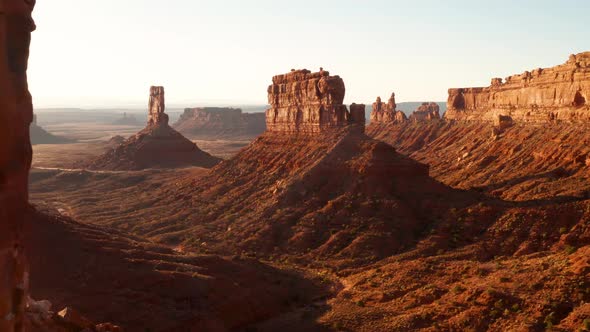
<point>102,53</point>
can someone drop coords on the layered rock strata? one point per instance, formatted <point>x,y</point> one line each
<point>387,112</point>
<point>16,114</point>
<point>306,102</point>
<point>557,94</point>
<point>213,122</point>
<point>156,146</point>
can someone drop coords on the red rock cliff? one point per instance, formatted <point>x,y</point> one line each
<point>559,93</point>
<point>16,114</point>
<point>306,102</point>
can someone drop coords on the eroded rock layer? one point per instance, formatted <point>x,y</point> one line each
<point>215,122</point>
<point>156,146</point>
<point>559,93</point>
<point>306,102</point>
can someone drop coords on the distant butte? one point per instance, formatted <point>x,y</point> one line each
<point>156,146</point>
<point>220,122</point>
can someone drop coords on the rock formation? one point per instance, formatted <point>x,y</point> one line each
<point>156,146</point>
<point>306,102</point>
<point>156,107</point>
<point>216,122</point>
<point>16,115</point>
<point>426,112</point>
<point>41,136</point>
<point>387,113</point>
<point>539,96</point>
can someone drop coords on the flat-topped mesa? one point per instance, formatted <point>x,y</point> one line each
<point>387,113</point>
<point>558,93</point>
<point>220,122</point>
<point>156,107</point>
<point>306,102</point>
<point>426,112</point>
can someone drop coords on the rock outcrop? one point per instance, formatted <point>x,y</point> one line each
<point>426,112</point>
<point>217,122</point>
<point>557,94</point>
<point>16,115</point>
<point>306,102</point>
<point>156,146</point>
<point>387,113</point>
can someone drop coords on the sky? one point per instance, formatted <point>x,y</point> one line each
<point>106,53</point>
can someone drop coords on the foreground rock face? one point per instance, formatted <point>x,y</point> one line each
<point>559,94</point>
<point>156,146</point>
<point>215,122</point>
<point>306,102</point>
<point>387,113</point>
<point>16,114</point>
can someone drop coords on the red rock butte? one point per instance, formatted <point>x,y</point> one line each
<point>542,95</point>
<point>156,146</point>
<point>306,102</point>
<point>208,122</point>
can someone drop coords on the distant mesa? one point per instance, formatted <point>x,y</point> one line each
<point>220,122</point>
<point>426,112</point>
<point>41,136</point>
<point>156,146</point>
<point>556,94</point>
<point>126,120</point>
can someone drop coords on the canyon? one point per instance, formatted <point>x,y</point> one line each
<point>476,221</point>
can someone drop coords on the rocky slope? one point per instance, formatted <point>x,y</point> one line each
<point>216,123</point>
<point>156,146</point>
<point>107,275</point>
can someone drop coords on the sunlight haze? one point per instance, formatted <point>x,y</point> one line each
<point>101,53</point>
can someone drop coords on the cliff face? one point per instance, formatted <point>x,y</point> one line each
<point>213,122</point>
<point>559,93</point>
<point>306,102</point>
<point>387,113</point>
<point>16,114</point>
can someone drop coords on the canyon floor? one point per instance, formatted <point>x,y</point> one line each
<point>455,258</point>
